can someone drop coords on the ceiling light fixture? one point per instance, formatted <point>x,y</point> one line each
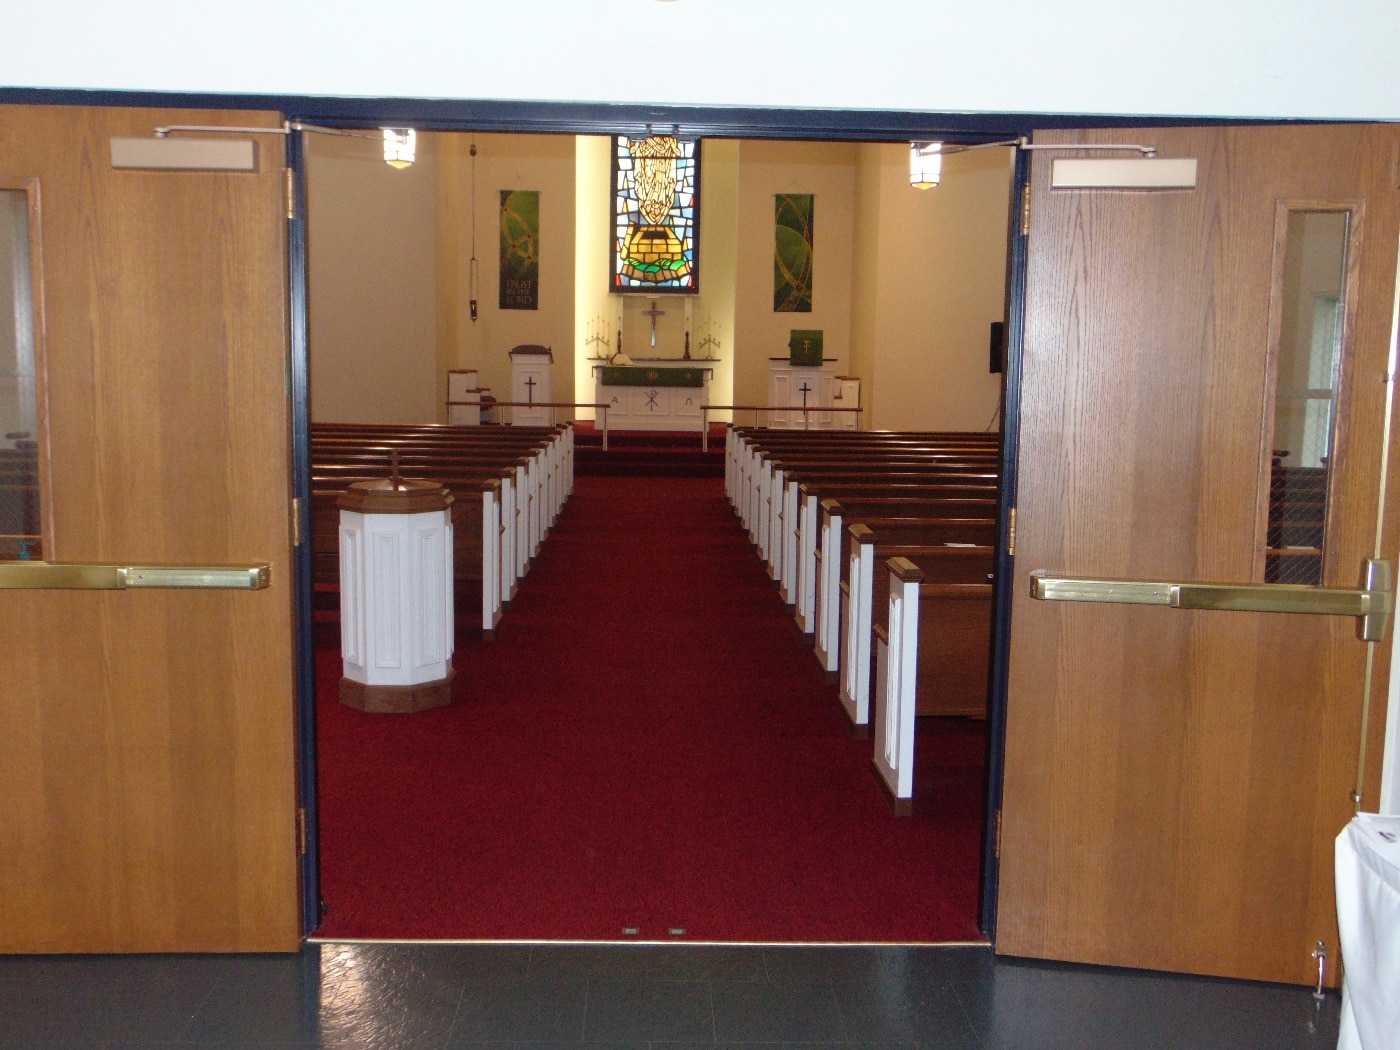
<point>399,146</point>
<point>925,164</point>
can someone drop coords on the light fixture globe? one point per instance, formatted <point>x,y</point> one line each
<point>925,164</point>
<point>399,147</point>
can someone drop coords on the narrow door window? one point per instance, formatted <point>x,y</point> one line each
<point>1310,328</point>
<point>20,525</point>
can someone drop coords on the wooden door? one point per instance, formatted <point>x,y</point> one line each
<point>1175,779</point>
<point>147,752</point>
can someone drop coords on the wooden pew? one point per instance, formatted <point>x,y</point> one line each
<point>743,447</point>
<point>775,489</point>
<point>918,650</point>
<point>939,522</point>
<point>762,477</point>
<point>800,522</point>
<point>864,605</point>
<point>546,482</point>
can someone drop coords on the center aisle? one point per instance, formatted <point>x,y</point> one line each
<point>648,744</point>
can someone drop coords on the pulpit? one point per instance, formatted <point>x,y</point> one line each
<point>654,393</point>
<point>813,386</point>
<point>529,385</point>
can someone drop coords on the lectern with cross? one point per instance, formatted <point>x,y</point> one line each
<point>529,385</point>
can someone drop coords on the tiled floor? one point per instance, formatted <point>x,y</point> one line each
<point>666,997</point>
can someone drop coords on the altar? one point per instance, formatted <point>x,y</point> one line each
<point>654,393</point>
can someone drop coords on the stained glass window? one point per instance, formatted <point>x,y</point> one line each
<point>656,200</point>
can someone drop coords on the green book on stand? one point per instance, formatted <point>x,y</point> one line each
<point>805,347</point>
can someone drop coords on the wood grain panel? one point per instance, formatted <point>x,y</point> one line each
<point>1174,780</point>
<point>148,758</point>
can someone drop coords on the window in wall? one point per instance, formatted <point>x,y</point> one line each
<point>656,197</point>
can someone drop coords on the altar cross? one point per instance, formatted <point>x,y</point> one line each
<point>530,389</point>
<point>653,313</point>
<point>804,390</point>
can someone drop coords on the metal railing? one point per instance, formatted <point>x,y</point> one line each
<point>806,411</point>
<point>490,406</point>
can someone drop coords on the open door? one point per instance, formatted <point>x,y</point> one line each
<point>1206,398</point>
<point>147,752</point>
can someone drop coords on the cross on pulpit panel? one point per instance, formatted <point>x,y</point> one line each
<point>804,390</point>
<point>530,389</point>
<point>653,313</point>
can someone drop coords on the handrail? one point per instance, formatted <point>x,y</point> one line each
<point>488,405</point>
<point>806,411</point>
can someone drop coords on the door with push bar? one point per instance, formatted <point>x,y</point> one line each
<point>147,764</point>
<point>1205,517</point>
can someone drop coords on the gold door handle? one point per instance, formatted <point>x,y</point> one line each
<point>1373,602</point>
<point>39,575</point>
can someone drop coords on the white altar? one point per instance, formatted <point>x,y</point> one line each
<point>654,393</point>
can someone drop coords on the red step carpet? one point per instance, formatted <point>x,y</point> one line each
<point>648,744</point>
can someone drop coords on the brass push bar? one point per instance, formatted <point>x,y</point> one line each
<point>38,575</point>
<point>1373,603</point>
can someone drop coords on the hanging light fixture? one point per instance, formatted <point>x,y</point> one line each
<point>399,147</point>
<point>925,164</point>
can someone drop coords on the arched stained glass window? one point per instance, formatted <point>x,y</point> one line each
<point>656,201</point>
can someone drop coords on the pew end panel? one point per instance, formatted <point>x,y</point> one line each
<point>896,646</point>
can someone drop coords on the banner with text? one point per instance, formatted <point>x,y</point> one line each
<point>520,249</point>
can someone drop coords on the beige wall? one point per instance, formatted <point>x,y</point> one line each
<point>371,244</point>
<point>506,162</point>
<point>716,306</point>
<point>937,284</point>
<point>594,309</point>
<point>827,170</point>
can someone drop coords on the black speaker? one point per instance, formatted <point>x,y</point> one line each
<point>998,345</point>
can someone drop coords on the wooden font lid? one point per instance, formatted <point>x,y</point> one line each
<point>394,495</point>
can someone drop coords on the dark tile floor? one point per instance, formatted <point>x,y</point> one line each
<point>664,997</point>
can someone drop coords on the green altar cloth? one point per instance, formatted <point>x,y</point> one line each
<point>642,375</point>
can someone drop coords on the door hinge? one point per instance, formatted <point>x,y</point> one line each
<point>296,522</point>
<point>996,837</point>
<point>1026,213</point>
<point>291,193</point>
<point>301,830</point>
<point>1011,532</point>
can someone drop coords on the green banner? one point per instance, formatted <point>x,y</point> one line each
<point>792,253</point>
<point>520,249</point>
<point>640,375</point>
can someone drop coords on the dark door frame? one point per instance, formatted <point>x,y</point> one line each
<point>767,125</point>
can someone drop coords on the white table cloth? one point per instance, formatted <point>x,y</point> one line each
<point>1368,914</point>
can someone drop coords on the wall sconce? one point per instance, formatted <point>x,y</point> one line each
<point>399,147</point>
<point>925,164</point>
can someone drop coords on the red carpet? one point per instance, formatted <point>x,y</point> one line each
<point>648,744</point>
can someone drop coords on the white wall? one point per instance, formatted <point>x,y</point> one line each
<point>941,283</point>
<point>1224,57</point>
<point>371,247</point>
<point>544,163</point>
